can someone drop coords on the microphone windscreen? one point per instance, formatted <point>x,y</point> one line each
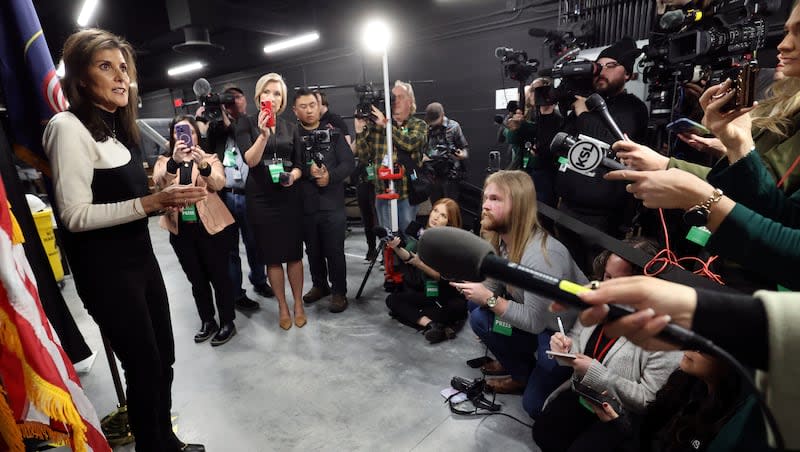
<point>595,102</point>
<point>672,19</point>
<point>539,32</point>
<point>561,142</point>
<point>455,253</point>
<point>201,87</point>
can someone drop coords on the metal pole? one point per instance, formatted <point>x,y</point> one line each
<point>387,94</point>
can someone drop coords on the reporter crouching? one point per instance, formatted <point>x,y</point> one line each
<point>200,233</point>
<point>428,301</point>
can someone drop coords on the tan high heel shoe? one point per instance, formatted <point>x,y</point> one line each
<point>300,320</point>
<point>285,322</point>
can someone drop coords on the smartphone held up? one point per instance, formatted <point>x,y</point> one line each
<point>266,108</point>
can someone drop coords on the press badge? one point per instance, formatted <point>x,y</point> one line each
<point>501,327</point>
<point>189,214</point>
<point>275,170</point>
<point>229,159</point>
<point>431,288</point>
<point>370,172</point>
<point>237,175</point>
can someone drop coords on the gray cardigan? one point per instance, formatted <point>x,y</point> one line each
<point>629,373</point>
<point>529,311</point>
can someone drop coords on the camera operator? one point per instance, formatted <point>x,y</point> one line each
<point>231,137</point>
<point>332,120</point>
<point>447,142</point>
<point>598,203</point>
<point>409,136</point>
<point>324,220</point>
<point>535,132</point>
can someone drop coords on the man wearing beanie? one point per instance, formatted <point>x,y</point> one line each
<point>596,202</point>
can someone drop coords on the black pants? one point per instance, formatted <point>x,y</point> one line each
<point>565,425</point>
<point>323,233</point>
<point>366,204</point>
<point>445,188</point>
<point>129,303</point>
<point>204,259</point>
<point>409,307</point>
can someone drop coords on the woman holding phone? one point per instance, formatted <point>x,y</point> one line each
<point>612,367</point>
<point>200,233</point>
<point>103,203</point>
<point>274,201</point>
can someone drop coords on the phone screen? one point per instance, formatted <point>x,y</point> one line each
<point>685,125</point>
<point>183,132</point>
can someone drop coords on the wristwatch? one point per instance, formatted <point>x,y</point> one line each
<point>491,302</point>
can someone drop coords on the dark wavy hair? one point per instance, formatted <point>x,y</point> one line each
<point>684,410</point>
<point>643,244</point>
<point>191,120</point>
<point>79,49</point>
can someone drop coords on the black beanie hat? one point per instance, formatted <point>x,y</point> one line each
<point>624,52</point>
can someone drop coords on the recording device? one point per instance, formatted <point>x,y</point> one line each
<point>686,125</point>
<point>212,102</point>
<point>596,398</point>
<point>472,388</point>
<point>183,132</point>
<point>369,96</point>
<point>575,78</point>
<point>597,104</point>
<point>517,64</point>
<point>386,235</point>
<point>743,83</point>
<point>318,144</point>
<point>460,255</point>
<point>713,44</point>
<point>585,154</point>
<point>266,108</point>
<point>494,162</point>
<point>443,163</point>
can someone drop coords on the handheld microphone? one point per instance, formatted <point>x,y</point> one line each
<point>460,255</point>
<point>596,103</point>
<point>201,88</point>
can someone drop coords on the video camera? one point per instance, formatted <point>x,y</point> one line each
<point>211,102</point>
<point>369,96</point>
<point>575,77</point>
<point>710,45</point>
<point>318,143</point>
<point>517,64</point>
<point>443,163</point>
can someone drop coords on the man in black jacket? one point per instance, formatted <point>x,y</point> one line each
<point>329,161</point>
<point>601,204</point>
<point>230,137</point>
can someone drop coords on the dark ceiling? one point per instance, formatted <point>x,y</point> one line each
<point>242,27</point>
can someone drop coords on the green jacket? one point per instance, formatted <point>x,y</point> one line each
<point>762,233</point>
<point>777,153</point>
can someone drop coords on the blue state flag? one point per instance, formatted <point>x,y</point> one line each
<point>32,88</point>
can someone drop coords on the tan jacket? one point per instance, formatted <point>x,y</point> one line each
<point>212,211</point>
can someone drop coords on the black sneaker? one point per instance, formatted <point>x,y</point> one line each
<point>245,304</point>
<point>435,333</point>
<point>264,290</point>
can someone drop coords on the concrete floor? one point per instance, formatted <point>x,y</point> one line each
<point>351,381</point>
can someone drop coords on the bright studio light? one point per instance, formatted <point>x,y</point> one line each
<point>291,42</point>
<point>377,35</point>
<point>87,10</point>
<point>184,68</point>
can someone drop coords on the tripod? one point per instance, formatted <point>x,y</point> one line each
<point>392,277</point>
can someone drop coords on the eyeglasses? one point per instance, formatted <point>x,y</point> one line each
<point>609,65</point>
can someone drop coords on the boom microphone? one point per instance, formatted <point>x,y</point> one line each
<point>596,103</point>
<point>201,88</point>
<point>459,255</point>
<point>672,20</point>
<point>542,33</point>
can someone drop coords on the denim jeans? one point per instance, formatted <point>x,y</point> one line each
<point>257,275</point>
<point>523,355</point>
<point>406,213</point>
